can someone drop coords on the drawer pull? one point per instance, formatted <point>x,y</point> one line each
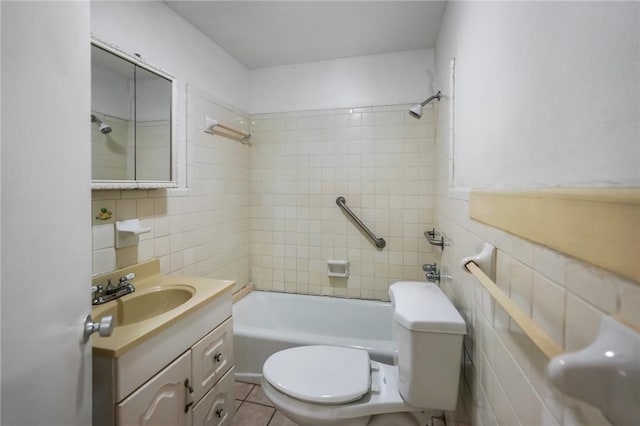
<point>220,413</point>
<point>218,357</point>
<point>188,386</point>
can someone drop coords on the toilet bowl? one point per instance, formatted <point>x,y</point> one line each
<point>333,385</point>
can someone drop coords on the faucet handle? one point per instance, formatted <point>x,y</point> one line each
<point>428,267</point>
<point>127,277</point>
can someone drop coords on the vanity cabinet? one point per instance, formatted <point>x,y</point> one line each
<point>181,376</point>
<point>160,401</point>
<point>171,395</point>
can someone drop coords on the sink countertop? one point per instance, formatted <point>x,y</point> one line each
<point>126,337</point>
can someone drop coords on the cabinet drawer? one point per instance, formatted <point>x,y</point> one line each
<point>218,406</point>
<point>211,357</point>
<point>160,401</point>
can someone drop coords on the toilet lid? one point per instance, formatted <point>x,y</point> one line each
<point>320,374</point>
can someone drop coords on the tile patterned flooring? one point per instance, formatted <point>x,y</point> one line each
<point>254,409</point>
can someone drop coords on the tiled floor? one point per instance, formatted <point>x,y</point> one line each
<point>254,409</point>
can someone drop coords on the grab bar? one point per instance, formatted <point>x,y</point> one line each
<point>379,242</point>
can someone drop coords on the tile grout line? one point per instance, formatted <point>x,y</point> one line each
<point>272,416</point>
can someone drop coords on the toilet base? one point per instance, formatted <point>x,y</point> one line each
<point>387,419</point>
<point>394,419</point>
<point>382,408</point>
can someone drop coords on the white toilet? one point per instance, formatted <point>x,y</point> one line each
<point>334,385</point>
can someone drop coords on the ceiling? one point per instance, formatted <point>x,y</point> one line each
<point>269,33</point>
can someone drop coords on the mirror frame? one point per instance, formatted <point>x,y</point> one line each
<point>144,184</point>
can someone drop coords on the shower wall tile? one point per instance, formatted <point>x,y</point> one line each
<point>379,159</point>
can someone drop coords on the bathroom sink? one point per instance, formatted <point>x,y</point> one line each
<point>146,304</point>
<point>161,304</point>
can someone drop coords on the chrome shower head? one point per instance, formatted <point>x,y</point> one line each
<point>416,110</point>
<point>105,129</point>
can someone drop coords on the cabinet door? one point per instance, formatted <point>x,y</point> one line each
<point>218,406</point>
<point>211,357</point>
<point>160,401</point>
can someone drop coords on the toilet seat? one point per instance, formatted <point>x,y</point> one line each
<point>320,374</point>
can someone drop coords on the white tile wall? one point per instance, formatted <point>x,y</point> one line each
<point>276,200</point>
<point>203,230</point>
<point>379,159</point>
<point>507,384</point>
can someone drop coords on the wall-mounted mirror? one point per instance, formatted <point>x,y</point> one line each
<point>131,121</point>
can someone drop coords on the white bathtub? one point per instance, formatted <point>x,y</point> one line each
<point>266,322</point>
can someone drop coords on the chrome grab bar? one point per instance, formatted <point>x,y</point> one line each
<point>379,242</point>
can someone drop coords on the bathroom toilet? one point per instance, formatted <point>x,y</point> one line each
<point>335,385</point>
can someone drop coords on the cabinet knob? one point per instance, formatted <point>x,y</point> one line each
<point>220,413</point>
<point>218,357</point>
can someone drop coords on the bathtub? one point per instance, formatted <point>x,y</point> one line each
<point>266,322</point>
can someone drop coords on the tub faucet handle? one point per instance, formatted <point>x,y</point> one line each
<point>430,267</point>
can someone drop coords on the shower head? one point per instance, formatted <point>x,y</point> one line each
<point>416,110</point>
<point>105,129</point>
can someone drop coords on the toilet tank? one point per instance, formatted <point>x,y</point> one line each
<point>429,331</point>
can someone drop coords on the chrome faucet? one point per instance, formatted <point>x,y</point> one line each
<point>432,272</point>
<point>101,294</point>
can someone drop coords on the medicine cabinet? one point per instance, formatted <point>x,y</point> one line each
<point>132,121</point>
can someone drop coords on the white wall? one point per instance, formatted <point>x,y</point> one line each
<point>545,94</point>
<point>166,40</point>
<point>372,80</point>
<point>46,235</point>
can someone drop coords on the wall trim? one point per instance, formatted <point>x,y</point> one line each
<point>598,225</point>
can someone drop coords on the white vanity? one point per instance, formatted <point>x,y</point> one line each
<point>170,358</point>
